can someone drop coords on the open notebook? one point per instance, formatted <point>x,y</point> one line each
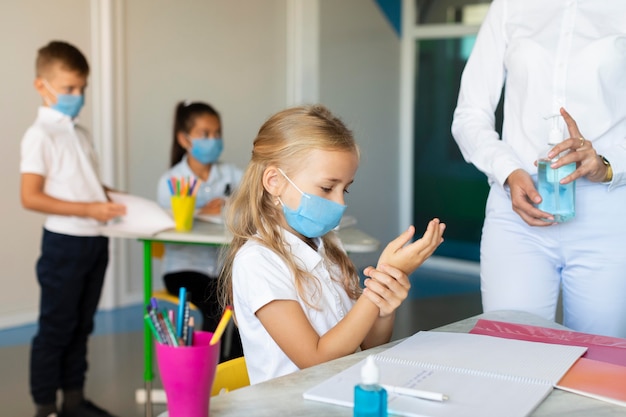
<point>482,376</point>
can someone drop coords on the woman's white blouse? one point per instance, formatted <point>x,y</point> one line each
<point>549,54</point>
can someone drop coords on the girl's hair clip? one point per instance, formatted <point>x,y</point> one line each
<point>186,103</point>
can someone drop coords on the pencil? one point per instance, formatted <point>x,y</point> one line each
<point>415,393</point>
<point>219,331</point>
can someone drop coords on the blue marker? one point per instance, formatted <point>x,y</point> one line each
<point>180,318</point>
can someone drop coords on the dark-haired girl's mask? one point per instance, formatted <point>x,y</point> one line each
<point>205,150</point>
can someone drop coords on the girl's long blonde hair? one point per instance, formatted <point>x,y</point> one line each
<point>284,141</point>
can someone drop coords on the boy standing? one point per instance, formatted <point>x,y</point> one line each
<point>59,177</point>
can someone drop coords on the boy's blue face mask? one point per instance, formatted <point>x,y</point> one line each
<point>68,104</point>
<point>315,216</point>
<point>205,150</point>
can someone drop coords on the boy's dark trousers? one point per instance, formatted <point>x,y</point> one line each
<point>70,272</point>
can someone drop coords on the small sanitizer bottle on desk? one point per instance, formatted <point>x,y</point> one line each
<point>370,399</point>
<point>556,198</point>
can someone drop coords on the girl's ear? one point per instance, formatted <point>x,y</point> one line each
<point>182,140</point>
<point>272,181</point>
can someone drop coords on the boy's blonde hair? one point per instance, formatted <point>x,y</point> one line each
<point>284,141</point>
<point>62,53</point>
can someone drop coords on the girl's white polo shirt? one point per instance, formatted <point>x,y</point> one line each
<point>259,277</point>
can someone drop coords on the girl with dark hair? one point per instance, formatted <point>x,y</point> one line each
<point>196,147</point>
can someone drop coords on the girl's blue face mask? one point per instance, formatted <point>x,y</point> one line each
<point>315,216</point>
<point>205,150</point>
<point>68,104</point>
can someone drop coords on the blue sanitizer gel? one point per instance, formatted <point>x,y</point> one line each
<point>370,399</point>
<point>556,198</point>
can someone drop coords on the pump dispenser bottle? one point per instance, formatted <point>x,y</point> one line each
<point>370,399</point>
<point>556,198</point>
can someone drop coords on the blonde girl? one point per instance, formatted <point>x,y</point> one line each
<point>296,294</point>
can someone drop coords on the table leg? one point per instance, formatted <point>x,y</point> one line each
<point>148,374</point>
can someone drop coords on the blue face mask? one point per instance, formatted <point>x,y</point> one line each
<point>206,151</point>
<point>315,216</point>
<point>68,104</point>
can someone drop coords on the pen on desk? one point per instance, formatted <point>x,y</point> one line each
<point>221,326</point>
<point>416,393</point>
<point>182,295</point>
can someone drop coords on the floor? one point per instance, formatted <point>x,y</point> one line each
<point>116,354</point>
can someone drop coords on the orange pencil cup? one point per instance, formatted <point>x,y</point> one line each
<point>183,210</point>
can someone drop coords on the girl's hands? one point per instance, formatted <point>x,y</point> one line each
<point>387,287</point>
<point>408,257</point>
<point>213,207</point>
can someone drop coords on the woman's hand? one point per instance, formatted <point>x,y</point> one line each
<point>588,163</point>
<point>387,287</point>
<point>408,257</point>
<point>524,197</point>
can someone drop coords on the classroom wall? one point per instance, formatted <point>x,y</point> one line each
<point>230,53</point>
<point>360,81</point>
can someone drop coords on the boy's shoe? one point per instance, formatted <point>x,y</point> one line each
<point>86,409</point>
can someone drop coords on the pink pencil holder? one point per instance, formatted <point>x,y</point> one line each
<point>187,373</point>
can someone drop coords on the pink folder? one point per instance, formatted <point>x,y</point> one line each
<point>599,348</point>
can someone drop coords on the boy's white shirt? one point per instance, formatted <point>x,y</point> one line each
<point>259,277</point>
<point>60,151</point>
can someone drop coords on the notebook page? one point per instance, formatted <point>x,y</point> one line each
<point>488,354</point>
<point>470,395</point>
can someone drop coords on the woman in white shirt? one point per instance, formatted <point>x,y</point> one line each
<point>551,56</point>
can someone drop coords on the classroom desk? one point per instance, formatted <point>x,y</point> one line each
<point>208,234</point>
<point>283,396</point>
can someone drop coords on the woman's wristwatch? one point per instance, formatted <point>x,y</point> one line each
<point>609,171</point>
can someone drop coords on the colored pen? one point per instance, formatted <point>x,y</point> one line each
<point>160,327</point>
<point>185,333</point>
<point>416,393</point>
<point>182,296</point>
<point>167,326</point>
<point>155,332</point>
<point>189,341</point>
<point>221,326</point>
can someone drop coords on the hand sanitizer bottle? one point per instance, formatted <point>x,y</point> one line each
<point>370,399</point>
<point>556,198</point>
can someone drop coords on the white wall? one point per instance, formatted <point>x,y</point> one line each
<point>359,81</point>
<point>231,53</point>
